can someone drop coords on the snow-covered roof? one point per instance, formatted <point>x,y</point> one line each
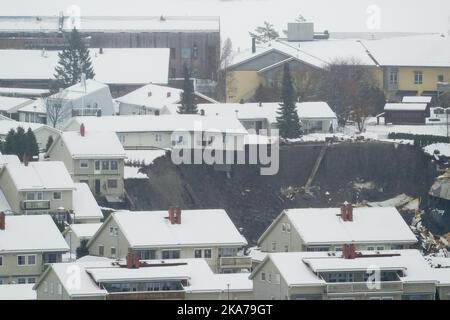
<point>369,225</point>
<point>17,292</point>
<point>8,158</point>
<point>152,96</point>
<point>114,66</point>
<point>4,204</point>
<point>31,233</point>
<point>405,107</point>
<point>94,144</point>
<point>40,175</point>
<point>11,104</point>
<point>79,90</point>
<point>5,126</point>
<point>84,204</point>
<point>416,99</point>
<point>315,110</point>
<point>85,230</point>
<point>113,24</point>
<point>198,227</point>
<point>162,123</point>
<point>300,268</point>
<point>25,92</point>
<point>35,106</point>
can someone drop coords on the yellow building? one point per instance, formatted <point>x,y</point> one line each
<point>409,65</point>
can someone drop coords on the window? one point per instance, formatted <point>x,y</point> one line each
<point>158,137</point>
<point>274,246</point>
<point>286,248</point>
<point>97,165</point>
<point>31,280</point>
<point>263,276</point>
<point>51,258</point>
<point>283,227</point>
<point>31,260</point>
<point>21,280</point>
<point>197,253</point>
<point>57,195</point>
<point>288,227</point>
<point>380,248</point>
<point>101,251</point>
<point>21,260</point>
<point>171,254</point>
<point>393,77</point>
<point>269,278</point>
<point>173,53</point>
<point>34,196</point>
<point>105,165</point>
<point>45,286</point>
<point>51,287</point>
<point>112,183</point>
<point>418,77</point>
<point>114,165</point>
<point>207,253</point>
<point>370,248</point>
<point>440,78</point>
<point>113,252</point>
<point>84,164</point>
<point>1,261</point>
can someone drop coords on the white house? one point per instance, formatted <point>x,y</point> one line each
<point>87,98</point>
<point>328,229</point>
<point>27,243</point>
<point>10,105</point>
<point>176,234</point>
<point>167,131</point>
<point>347,275</point>
<point>314,116</point>
<point>106,279</point>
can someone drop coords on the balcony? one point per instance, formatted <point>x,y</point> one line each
<point>86,112</point>
<point>35,205</point>
<point>148,295</point>
<point>235,262</point>
<point>348,287</point>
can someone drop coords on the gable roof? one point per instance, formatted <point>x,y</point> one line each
<point>11,104</point>
<point>405,107</point>
<point>84,204</point>
<point>153,96</point>
<point>83,230</point>
<point>93,145</point>
<point>78,90</point>
<point>31,233</point>
<point>144,229</point>
<point>40,175</point>
<point>417,99</point>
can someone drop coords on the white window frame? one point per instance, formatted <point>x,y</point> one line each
<point>201,253</point>
<point>380,248</point>
<point>283,227</point>
<point>263,276</point>
<point>158,137</point>
<point>393,77</point>
<point>100,245</point>
<point>418,77</point>
<point>21,280</point>
<point>204,253</point>
<point>25,260</point>
<point>28,280</point>
<point>111,252</point>
<point>28,259</point>
<point>288,227</point>
<point>59,288</point>
<point>84,161</point>
<point>60,196</point>
<point>117,165</point>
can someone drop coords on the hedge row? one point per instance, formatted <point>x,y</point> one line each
<point>421,140</point>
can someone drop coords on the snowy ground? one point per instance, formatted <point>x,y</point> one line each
<point>133,173</point>
<point>145,157</point>
<point>444,149</point>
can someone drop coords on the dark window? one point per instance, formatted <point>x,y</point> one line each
<point>105,165</point>
<point>198,253</point>
<point>114,165</point>
<point>171,254</point>
<point>97,165</point>
<point>207,253</point>
<point>112,183</point>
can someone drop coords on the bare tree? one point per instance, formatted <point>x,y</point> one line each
<point>56,109</point>
<point>224,80</point>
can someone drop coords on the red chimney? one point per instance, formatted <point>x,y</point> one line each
<point>133,260</point>
<point>25,160</point>
<point>2,221</point>
<point>82,130</point>
<point>172,215</point>
<point>177,215</point>
<point>349,212</point>
<point>348,251</point>
<point>344,212</point>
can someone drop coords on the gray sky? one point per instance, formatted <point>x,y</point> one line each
<point>240,16</point>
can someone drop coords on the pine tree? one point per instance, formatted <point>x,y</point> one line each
<point>9,145</point>
<point>287,120</point>
<point>188,103</point>
<point>20,141</point>
<point>82,250</point>
<point>49,143</point>
<point>31,146</point>
<point>74,60</point>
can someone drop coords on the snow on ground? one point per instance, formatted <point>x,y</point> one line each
<point>444,149</point>
<point>145,157</point>
<point>133,173</point>
<point>383,130</point>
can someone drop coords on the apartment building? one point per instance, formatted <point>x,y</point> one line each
<point>346,275</point>
<point>27,244</point>
<point>328,229</point>
<point>173,234</point>
<point>134,279</point>
<point>93,158</point>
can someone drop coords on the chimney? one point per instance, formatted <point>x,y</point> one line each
<point>349,212</point>
<point>348,251</point>
<point>177,215</point>
<point>344,212</point>
<point>25,160</point>
<point>100,50</point>
<point>253,45</point>
<point>172,215</point>
<point>133,260</point>
<point>168,94</point>
<point>2,221</point>
<point>82,130</point>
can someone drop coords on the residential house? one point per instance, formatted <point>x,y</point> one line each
<point>93,158</point>
<point>406,113</point>
<point>35,111</point>
<point>314,116</point>
<point>75,233</point>
<point>154,99</point>
<point>27,244</point>
<point>38,188</point>
<point>122,69</point>
<point>85,208</point>
<point>86,98</point>
<point>167,131</point>
<point>134,279</point>
<point>9,106</point>
<point>41,131</point>
<point>402,66</point>
<point>176,234</point>
<point>328,229</point>
<point>347,275</point>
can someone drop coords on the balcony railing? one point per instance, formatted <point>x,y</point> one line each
<point>235,262</point>
<point>346,287</point>
<point>148,295</point>
<point>79,112</point>
<point>35,205</point>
